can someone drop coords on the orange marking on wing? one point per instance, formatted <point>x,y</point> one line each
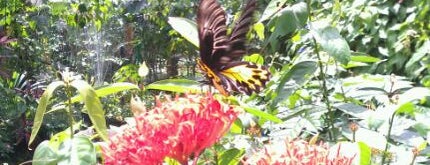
<point>216,81</point>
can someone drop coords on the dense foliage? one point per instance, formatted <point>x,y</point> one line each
<point>345,73</point>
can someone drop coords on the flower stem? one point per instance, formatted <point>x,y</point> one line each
<point>69,108</point>
<point>391,121</point>
<point>325,92</point>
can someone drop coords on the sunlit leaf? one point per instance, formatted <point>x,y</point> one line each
<point>259,29</point>
<point>109,89</point>
<point>354,110</point>
<point>364,58</point>
<point>407,108</point>
<point>79,151</point>
<point>415,93</point>
<point>230,157</point>
<point>365,153</point>
<point>262,114</point>
<point>236,127</point>
<point>60,137</point>
<point>254,58</point>
<point>297,75</point>
<point>371,138</point>
<point>41,108</point>
<point>272,8</point>
<point>331,41</point>
<point>423,51</point>
<point>93,106</point>
<point>45,155</point>
<point>58,7</point>
<point>187,28</point>
<point>177,85</point>
<point>289,19</point>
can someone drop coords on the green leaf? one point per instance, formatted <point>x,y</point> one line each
<point>45,155</point>
<point>41,108</point>
<point>230,157</point>
<point>331,41</point>
<point>93,106</point>
<point>415,93</point>
<point>354,110</point>
<point>272,8</point>
<point>298,75</point>
<point>261,114</point>
<point>110,89</point>
<point>127,73</point>
<point>259,29</point>
<point>371,138</point>
<point>364,58</point>
<point>289,19</point>
<point>58,8</point>
<point>60,137</point>
<point>365,153</point>
<point>254,58</point>
<point>422,146</point>
<point>353,64</point>
<point>79,151</point>
<point>176,85</point>
<point>418,55</point>
<point>236,127</point>
<point>407,108</point>
<point>187,28</point>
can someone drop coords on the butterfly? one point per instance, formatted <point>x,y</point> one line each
<point>220,54</point>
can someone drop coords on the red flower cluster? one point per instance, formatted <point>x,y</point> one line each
<point>299,152</point>
<point>177,128</point>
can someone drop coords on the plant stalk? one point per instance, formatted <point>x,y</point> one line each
<point>69,108</point>
<point>391,121</point>
<point>325,92</point>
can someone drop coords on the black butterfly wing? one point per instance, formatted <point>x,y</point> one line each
<point>212,30</point>
<point>216,48</point>
<point>220,55</point>
<point>237,40</point>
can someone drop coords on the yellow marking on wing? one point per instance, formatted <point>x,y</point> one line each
<point>254,76</point>
<point>216,81</point>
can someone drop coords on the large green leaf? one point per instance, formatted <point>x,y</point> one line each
<point>272,8</point>
<point>422,52</point>
<point>365,153</point>
<point>79,150</point>
<point>187,28</point>
<point>110,89</point>
<point>60,137</point>
<point>372,138</point>
<point>45,155</point>
<point>93,106</point>
<point>354,110</point>
<point>177,85</point>
<point>288,20</point>
<point>298,75</point>
<point>41,108</point>
<point>331,41</point>
<point>230,157</point>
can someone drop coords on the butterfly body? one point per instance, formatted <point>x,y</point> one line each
<point>220,54</point>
